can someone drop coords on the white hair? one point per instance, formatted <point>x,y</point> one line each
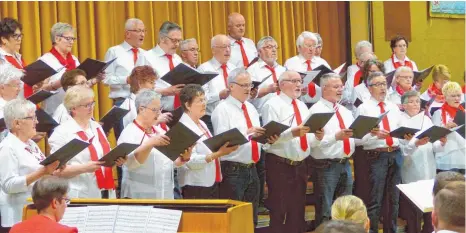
<point>145,97</point>
<point>263,40</point>
<point>367,55</point>
<point>59,29</point>
<point>319,39</point>
<point>75,95</point>
<point>305,35</point>
<point>215,38</point>
<point>131,22</point>
<point>166,28</point>
<point>326,77</point>
<point>9,73</point>
<point>233,75</point>
<point>361,44</point>
<point>285,75</point>
<point>185,43</point>
<point>398,71</point>
<point>17,109</point>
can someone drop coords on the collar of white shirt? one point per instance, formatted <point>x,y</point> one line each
<point>158,51</point>
<point>261,63</point>
<point>73,126</point>
<point>4,53</point>
<point>128,47</point>
<point>216,64</point>
<point>395,59</point>
<point>232,40</point>
<point>16,143</point>
<point>375,102</point>
<point>232,100</point>
<point>132,96</point>
<point>303,60</point>
<point>186,119</point>
<point>327,103</point>
<point>285,98</point>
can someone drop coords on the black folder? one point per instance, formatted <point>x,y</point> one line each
<point>459,120</point>
<point>118,152</point>
<point>402,131</point>
<point>114,115</point>
<point>389,77</point>
<point>437,132</point>
<point>433,110</point>
<point>323,70</point>
<point>357,102</point>
<point>182,74</point>
<point>176,115</point>
<point>425,103</point>
<point>234,136</point>
<point>309,76</point>
<point>364,124</point>
<point>272,128</point>
<point>420,76</point>
<point>181,138</point>
<point>46,122</point>
<point>94,67</point>
<point>256,84</point>
<point>2,124</point>
<point>40,96</point>
<point>66,152</point>
<point>36,72</point>
<point>317,121</point>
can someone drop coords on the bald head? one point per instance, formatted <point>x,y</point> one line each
<point>236,25</point>
<point>221,49</point>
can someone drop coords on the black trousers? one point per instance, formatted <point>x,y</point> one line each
<point>199,192</point>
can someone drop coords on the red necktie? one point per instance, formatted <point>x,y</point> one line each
<point>255,147</point>
<point>243,53</point>
<point>311,87</point>
<point>386,126</point>
<point>274,76</point>
<point>225,74</point>
<point>27,89</point>
<point>357,77</point>
<point>135,55</point>
<point>346,144</point>
<point>302,139</point>
<point>177,101</point>
<point>218,171</point>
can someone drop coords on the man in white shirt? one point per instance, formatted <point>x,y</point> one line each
<point>448,215</point>
<point>240,180</point>
<point>265,66</point>
<point>382,153</point>
<point>190,52</point>
<point>217,89</point>
<point>243,50</point>
<point>306,61</point>
<point>286,158</point>
<point>163,58</point>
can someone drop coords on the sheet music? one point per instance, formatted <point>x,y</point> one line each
<point>101,219</point>
<point>131,219</point>
<point>420,193</point>
<point>163,221</point>
<point>75,217</point>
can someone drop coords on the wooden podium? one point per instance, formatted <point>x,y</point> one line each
<point>198,215</point>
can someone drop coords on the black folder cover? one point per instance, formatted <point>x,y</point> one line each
<point>459,120</point>
<point>271,128</point>
<point>94,67</point>
<point>317,121</point>
<point>66,153</point>
<point>120,151</point>
<point>181,138</point>
<point>436,132</point>
<point>256,84</point>
<point>40,96</point>
<point>36,72</point>
<point>46,122</point>
<point>234,136</point>
<point>114,115</point>
<point>364,124</point>
<point>402,131</point>
<point>182,74</point>
<point>176,115</point>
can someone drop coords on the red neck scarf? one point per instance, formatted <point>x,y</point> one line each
<point>398,64</point>
<point>69,63</point>
<point>154,131</point>
<point>450,110</point>
<point>399,90</point>
<point>434,91</point>
<point>463,88</point>
<point>27,89</point>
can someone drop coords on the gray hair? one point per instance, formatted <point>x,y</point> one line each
<point>236,73</point>
<point>48,188</point>
<point>9,73</point>
<point>369,56</point>
<point>215,38</point>
<point>166,28</point>
<point>361,44</point>
<point>185,43</point>
<point>319,39</point>
<point>407,95</point>
<point>263,40</point>
<point>59,29</point>
<point>17,109</point>
<point>400,70</point>
<point>305,35</point>
<point>131,22</point>
<point>285,75</point>
<point>145,97</point>
<point>372,76</point>
<point>75,95</point>
<point>326,77</point>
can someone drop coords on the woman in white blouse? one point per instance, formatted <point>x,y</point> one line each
<point>69,79</point>
<point>202,174</point>
<point>419,163</point>
<point>402,82</point>
<point>399,46</point>
<point>148,175</point>
<point>87,178</point>
<point>452,157</point>
<point>20,160</point>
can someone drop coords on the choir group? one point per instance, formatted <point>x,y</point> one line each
<point>285,162</point>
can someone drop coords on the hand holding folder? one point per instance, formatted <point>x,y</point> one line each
<point>121,151</point>
<point>182,74</point>
<point>37,72</point>
<point>256,84</point>
<point>364,124</point>
<point>181,138</point>
<point>233,136</point>
<point>66,153</point>
<point>94,67</point>
<point>317,121</point>
<point>434,133</point>
<point>272,128</point>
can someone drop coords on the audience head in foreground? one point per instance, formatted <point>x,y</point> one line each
<point>351,208</point>
<point>339,226</point>
<point>448,214</point>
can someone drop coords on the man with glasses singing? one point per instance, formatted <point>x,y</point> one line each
<point>190,52</point>
<point>243,50</point>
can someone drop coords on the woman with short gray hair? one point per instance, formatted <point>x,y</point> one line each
<point>10,84</point>
<point>21,157</point>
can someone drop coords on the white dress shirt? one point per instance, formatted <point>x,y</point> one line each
<point>349,85</point>
<point>18,58</point>
<point>154,178</point>
<point>229,115</point>
<point>129,104</point>
<point>388,64</point>
<point>61,115</point>
<point>453,155</point>
<point>2,106</point>
<point>158,60</point>
<point>197,172</point>
<point>371,108</point>
<point>419,163</point>
<point>280,109</point>
<point>17,162</point>
<point>83,185</point>
<point>50,104</point>
<point>249,48</point>
<point>258,72</point>
<point>298,64</point>
<point>213,88</point>
<point>117,73</point>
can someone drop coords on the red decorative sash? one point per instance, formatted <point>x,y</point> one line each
<point>69,63</point>
<point>398,64</point>
<point>450,110</point>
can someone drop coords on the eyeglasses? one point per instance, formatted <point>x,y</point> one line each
<point>244,86</point>
<point>34,118</point>
<point>270,47</point>
<point>138,31</point>
<point>69,38</point>
<point>294,81</point>
<point>175,41</point>
<point>67,200</point>
<point>378,85</point>
<point>89,105</point>
<point>223,47</point>
<point>192,50</point>
<point>401,46</point>
<point>153,109</point>
<point>309,46</point>
<point>17,36</point>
